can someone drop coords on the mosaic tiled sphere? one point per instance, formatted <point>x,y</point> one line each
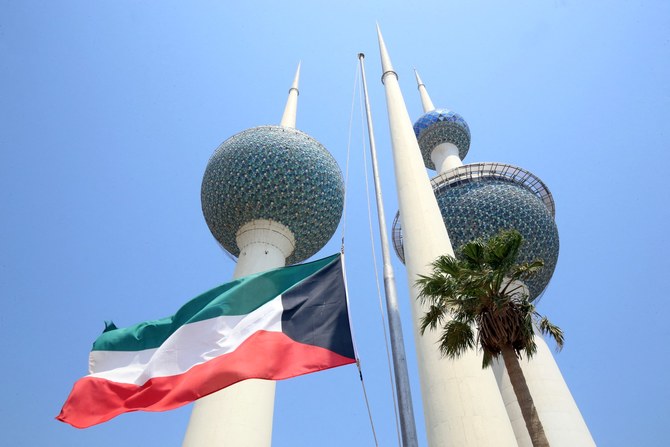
<point>441,126</point>
<point>479,206</point>
<point>275,173</point>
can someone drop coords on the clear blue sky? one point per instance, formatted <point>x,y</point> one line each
<point>109,111</point>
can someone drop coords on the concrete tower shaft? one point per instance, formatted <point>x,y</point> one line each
<point>462,405</point>
<point>271,195</point>
<point>477,200</point>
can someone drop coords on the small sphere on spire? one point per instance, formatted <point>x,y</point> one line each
<point>441,126</point>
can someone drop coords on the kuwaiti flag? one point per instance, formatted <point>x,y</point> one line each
<point>273,325</point>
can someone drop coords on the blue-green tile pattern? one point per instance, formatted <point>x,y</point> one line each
<point>277,173</point>
<point>480,207</point>
<point>441,126</point>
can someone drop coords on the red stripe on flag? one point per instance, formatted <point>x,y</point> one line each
<point>264,355</point>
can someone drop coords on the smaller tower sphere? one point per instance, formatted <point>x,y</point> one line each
<point>441,126</point>
<point>275,173</point>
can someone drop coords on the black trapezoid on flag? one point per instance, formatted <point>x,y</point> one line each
<point>315,311</point>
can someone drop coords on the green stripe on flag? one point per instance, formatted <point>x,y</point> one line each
<point>238,297</point>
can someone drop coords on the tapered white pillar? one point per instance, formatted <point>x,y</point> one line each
<point>461,401</point>
<point>562,421</point>
<point>241,415</point>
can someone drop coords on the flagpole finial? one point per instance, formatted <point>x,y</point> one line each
<point>290,111</point>
<point>387,67</point>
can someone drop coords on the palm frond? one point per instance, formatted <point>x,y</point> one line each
<point>503,248</point>
<point>529,348</point>
<point>446,264</point>
<point>526,270</point>
<point>488,359</point>
<point>456,338</point>
<point>473,253</point>
<point>434,316</point>
<point>555,332</point>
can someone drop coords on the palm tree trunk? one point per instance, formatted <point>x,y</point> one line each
<point>523,396</point>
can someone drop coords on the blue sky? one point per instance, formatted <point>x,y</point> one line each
<point>109,112</point>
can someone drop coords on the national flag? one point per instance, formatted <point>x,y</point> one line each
<point>272,325</point>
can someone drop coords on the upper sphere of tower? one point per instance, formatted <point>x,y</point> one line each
<point>441,126</point>
<point>276,173</point>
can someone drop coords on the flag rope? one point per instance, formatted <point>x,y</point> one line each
<point>346,166</point>
<point>358,359</point>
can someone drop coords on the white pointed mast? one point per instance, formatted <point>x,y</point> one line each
<point>291,109</point>
<point>425,99</point>
<point>461,401</point>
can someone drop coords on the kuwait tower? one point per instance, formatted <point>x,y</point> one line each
<point>461,402</point>
<point>271,196</point>
<point>476,201</point>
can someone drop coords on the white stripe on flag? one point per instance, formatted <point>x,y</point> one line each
<point>190,345</point>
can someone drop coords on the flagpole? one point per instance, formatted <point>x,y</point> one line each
<point>405,408</point>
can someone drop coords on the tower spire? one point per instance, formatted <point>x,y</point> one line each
<point>425,99</point>
<point>290,111</point>
<point>387,67</point>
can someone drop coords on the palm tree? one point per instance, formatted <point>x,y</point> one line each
<point>483,290</point>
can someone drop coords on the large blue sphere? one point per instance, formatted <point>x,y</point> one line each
<point>478,203</point>
<point>441,126</point>
<point>276,173</point>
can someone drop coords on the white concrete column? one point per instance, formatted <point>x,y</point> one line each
<point>264,245</point>
<point>445,157</point>
<point>560,416</point>
<point>241,415</point>
<point>461,401</point>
